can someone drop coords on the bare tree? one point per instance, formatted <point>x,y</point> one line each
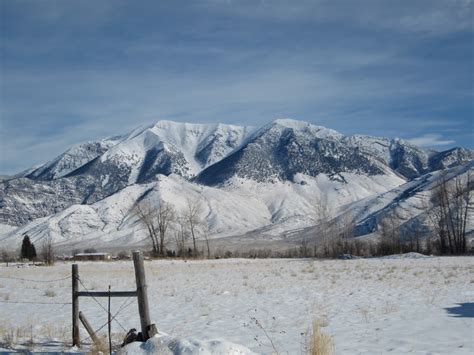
<point>414,233</point>
<point>333,235</point>
<point>165,215</point>
<point>193,220</point>
<point>358,247</point>
<point>206,238</point>
<point>324,225</point>
<point>452,199</point>
<point>346,232</point>
<point>145,213</point>
<point>156,219</point>
<point>305,250</point>
<point>47,251</point>
<point>181,234</point>
<point>7,257</point>
<point>390,239</point>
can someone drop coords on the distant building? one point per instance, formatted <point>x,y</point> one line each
<point>92,256</point>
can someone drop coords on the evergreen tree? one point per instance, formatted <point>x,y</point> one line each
<point>28,250</point>
<point>25,247</point>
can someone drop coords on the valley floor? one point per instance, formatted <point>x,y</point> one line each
<point>370,306</point>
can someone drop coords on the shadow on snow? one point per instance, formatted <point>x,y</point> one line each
<point>465,310</point>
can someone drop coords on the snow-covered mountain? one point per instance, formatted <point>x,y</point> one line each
<point>72,159</point>
<point>248,179</point>
<point>92,171</point>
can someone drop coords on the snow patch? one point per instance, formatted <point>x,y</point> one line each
<point>406,256</point>
<point>167,345</point>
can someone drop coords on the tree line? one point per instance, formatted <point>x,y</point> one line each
<point>157,218</point>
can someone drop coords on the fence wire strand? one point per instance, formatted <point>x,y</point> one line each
<point>26,302</point>
<point>105,309</point>
<point>95,299</point>
<point>31,280</point>
<point>121,308</point>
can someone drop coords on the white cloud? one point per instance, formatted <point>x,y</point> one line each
<point>433,17</point>
<point>429,140</point>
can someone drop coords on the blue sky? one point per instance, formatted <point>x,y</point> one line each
<point>73,71</point>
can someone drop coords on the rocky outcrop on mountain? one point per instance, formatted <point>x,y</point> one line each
<point>406,159</point>
<point>285,148</point>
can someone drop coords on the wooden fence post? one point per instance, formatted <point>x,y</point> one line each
<point>76,339</point>
<point>89,329</point>
<point>148,329</point>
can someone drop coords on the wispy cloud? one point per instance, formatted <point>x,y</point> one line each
<point>431,17</point>
<point>75,71</point>
<point>430,140</point>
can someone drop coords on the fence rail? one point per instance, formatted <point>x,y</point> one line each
<point>106,294</point>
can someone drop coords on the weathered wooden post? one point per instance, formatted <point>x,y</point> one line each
<point>76,339</point>
<point>89,329</point>
<point>148,329</point>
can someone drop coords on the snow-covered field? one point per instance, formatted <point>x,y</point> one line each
<point>370,306</point>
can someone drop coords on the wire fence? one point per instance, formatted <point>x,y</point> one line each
<point>113,318</point>
<point>253,326</point>
<point>34,281</point>
<point>121,308</point>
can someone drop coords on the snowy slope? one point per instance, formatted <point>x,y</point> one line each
<point>241,207</point>
<point>113,219</point>
<point>409,202</point>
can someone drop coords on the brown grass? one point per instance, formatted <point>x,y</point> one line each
<point>319,343</point>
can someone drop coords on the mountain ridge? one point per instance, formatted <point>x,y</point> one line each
<point>288,156</point>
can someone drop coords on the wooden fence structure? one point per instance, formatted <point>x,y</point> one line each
<point>148,329</point>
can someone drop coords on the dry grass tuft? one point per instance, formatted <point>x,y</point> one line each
<point>49,293</point>
<point>319,343</point>
<point>7,336</point>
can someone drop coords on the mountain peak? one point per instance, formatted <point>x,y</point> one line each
<point>303,126</point>
<point>167,124</point>
<point>295,124</point>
